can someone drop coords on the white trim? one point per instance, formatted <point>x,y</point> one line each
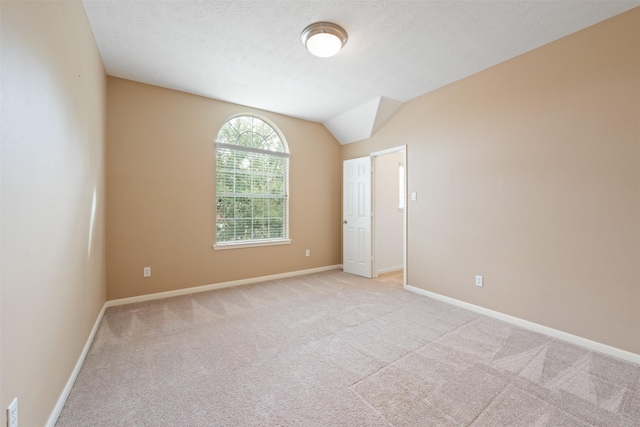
<point>390,269</point>
<point>401,149</point>
<point>204,288</point>
<point>565,336</point>
<point>250,244</point>
<point>389,150</point>
<point>53,418</point>
<point>237,147</point>
<point>264,119</point>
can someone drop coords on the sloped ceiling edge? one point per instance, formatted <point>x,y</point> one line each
<point>362,121</point>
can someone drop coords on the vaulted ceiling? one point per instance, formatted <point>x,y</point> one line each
<point>250,52</point>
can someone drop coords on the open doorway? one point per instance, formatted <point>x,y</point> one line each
<point>389,204</point>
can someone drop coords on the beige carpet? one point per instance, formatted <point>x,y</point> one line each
<point>332,349</point>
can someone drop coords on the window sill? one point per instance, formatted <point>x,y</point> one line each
<point>252,244</point>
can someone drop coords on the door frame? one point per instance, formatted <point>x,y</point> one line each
<point>374,271</point>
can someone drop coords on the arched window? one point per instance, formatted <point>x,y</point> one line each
<point>252,182</point>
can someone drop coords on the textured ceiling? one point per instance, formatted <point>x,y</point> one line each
<point>250,53</point>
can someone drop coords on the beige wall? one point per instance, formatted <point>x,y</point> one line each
<point>161,186</point>
<point>529,173</point>
<point>53,134</point>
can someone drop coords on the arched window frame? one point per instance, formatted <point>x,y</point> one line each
<point>276,155</point>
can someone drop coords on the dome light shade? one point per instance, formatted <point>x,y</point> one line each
<point>324,39</point>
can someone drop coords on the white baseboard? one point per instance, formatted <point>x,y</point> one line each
<point>565,336</point>
<point>204,288</point>
<point>53,418</point>
<point>389,269</point>
<point>591,345</point>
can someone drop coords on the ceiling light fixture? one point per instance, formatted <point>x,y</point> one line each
<point>324,39</point>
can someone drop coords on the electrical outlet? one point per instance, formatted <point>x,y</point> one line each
<point>479,281</point>
<point>307,252</point>
<point>146,272</point>
<point>12,414</point>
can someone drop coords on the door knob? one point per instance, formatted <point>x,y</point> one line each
<point>344,222</point>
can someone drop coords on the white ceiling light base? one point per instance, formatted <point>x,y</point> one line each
<point>324,39</point>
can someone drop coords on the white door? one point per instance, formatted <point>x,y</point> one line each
<point>356,206</point>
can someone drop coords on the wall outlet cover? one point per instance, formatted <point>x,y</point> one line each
<point>479,281</point>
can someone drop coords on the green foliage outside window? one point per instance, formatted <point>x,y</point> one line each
<point>251,182</point>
